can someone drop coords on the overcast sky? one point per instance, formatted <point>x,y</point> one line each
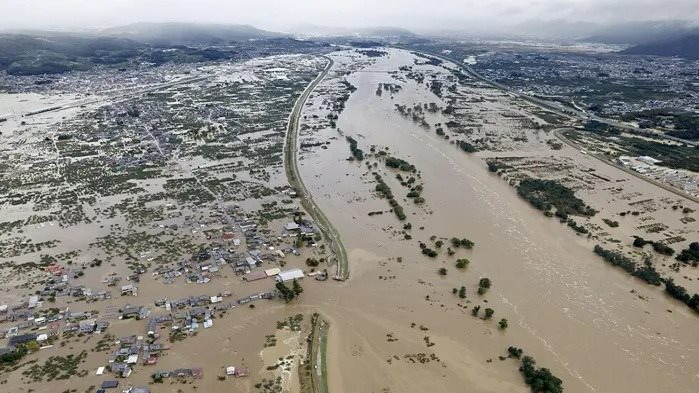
<point>283,14</point>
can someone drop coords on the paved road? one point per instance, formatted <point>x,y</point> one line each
<point>317,350</point>
<point>330,234</point>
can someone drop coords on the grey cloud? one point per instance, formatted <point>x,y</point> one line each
<point>282,14</point>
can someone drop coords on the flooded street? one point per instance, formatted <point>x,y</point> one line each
<point>596,328</point>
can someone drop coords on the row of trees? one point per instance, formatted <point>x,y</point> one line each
<point>545,194</point>
<point>397,163</point>
<point>465,243</point>
<point>357,153</point>
<point>680,293</point>
<point>467,147</point>
<point>384,191</point>
<point>646,273</point>
<point>539,380</point>
<point>691,254</point>
<point>658,247</point>
<point>576,227</point>
<point>488,314</point>
<point>19,352</point>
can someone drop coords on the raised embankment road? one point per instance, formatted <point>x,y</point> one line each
<point>329,233</point>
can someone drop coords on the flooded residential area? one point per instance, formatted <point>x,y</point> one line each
<point>336,216</point>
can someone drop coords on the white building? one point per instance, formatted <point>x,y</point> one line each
<point>33,301</point>
<point>648,160</point>
<point>292,226</point>
<point>291,274</point>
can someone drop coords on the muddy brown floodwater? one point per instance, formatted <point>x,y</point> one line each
<point>565,306</point>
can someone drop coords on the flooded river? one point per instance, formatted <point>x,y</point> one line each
<point>566,308</point>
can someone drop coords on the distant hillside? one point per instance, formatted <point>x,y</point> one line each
<point>51,54</point>
<point>686,46</point>
<point>627,33</point>
<point>43,52</point>
<point>188,33</point>
<point>636,33</point>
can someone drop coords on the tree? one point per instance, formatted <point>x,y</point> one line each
<point>639,242</point>
<point>465,243</point>
<point>297,288</point>
<point>442,271</point>
<point>515,352</point>
<point>484,282</point>
<point>539,380</point>
<point>483,285</point>
<point>475,310</point>
<point>503,323</point>
<point>286,293</point>
<point>488,313</point>
<point>462,263</point>
<point>462,292</point>
<point>14,356</point>
<point>33,346</point>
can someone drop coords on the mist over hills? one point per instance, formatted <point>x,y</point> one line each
<point>625,33</point>
<point>22,54</point>
<point>686,46</point>
<point>365,32</point>
<point>178,33</point>
<point>658,38</point>
<point>44,52</point>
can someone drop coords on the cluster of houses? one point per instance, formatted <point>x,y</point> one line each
<point>681,179</point>
<point>60,284</point>
<point>207,264</point>
<point>195,373</point>
<point>237,371</point>
<point>192,311</point>
<point>186,313</point>
<point>112,384</point>
<point>42,327</point>
<point>181,315</point>
<point>131,351</point>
